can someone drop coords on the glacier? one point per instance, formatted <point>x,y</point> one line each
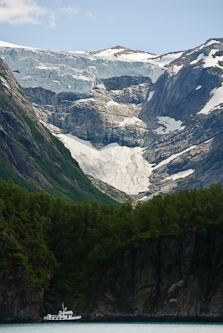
<point>120,166</point>
<point>76,71</point>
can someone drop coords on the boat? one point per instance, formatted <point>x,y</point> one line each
<point>63,315</point>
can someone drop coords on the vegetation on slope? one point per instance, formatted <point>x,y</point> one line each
<point>66,247</point>
<point>31,156</point>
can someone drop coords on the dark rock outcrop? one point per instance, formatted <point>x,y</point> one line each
<point>169,278</point>
<point>19,302</point>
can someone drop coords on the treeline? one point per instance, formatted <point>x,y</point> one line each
<point>66,247</point>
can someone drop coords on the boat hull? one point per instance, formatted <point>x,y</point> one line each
<point>60,320</point>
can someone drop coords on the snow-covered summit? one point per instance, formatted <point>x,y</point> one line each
<point>123,53</point>
<point>6,44</point>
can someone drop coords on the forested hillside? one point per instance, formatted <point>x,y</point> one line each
<point>52,250</point>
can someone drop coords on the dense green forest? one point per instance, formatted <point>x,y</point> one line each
<point>66,247</point>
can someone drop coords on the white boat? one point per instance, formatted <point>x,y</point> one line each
<point>63,315</point>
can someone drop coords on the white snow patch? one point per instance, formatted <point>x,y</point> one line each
<point>210,60</point>
<point>176,68</point>
<point>215,100</point>
<point>112,103</point>
<point>5,44</point>
<point>211,42</point>
<point>83,100</point>
<point>78,52</point>
<point>155,73</point>
<point>181,174</point>
<point>200,57</point>
<point>122,167</point>
<point>150,96</point>
<point>111,145</point>
<point>169,159</point>
<point>209,140</point>
<point>137,56</point>
<point>143,198</point>
<point>5,83</point>
<point>166,59</point>
<point>198,87</point>
<point>168,125</point>
<point>108,52</point>
<point>130,121</point>
<point>48,68</point>
<point>81,141</point>
<point>126,55</point>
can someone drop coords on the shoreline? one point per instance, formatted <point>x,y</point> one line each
<point>131,319</point>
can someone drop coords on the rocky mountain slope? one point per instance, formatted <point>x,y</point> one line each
<point>30,155</point>
<point>139,122</point>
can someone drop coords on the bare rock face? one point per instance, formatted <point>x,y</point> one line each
<point>167,278</point>
<point>18,301</point>
<point>98,115</point>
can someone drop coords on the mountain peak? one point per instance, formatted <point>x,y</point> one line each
<point>10,45</point>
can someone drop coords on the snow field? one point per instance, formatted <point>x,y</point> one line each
<point>123,167</point>
<point>215,100</point>
<point>179,175</point>
<point>168,125</point>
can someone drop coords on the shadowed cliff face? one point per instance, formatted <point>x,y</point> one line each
<point>169,277</point>
<point>18,301</point>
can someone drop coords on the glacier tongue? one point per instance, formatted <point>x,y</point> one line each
<point>122,167</point>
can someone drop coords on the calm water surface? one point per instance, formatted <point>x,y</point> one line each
<point>111,328</point>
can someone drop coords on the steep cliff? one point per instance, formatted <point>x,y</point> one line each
<point>19,302</point>
<point>169,278</point>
